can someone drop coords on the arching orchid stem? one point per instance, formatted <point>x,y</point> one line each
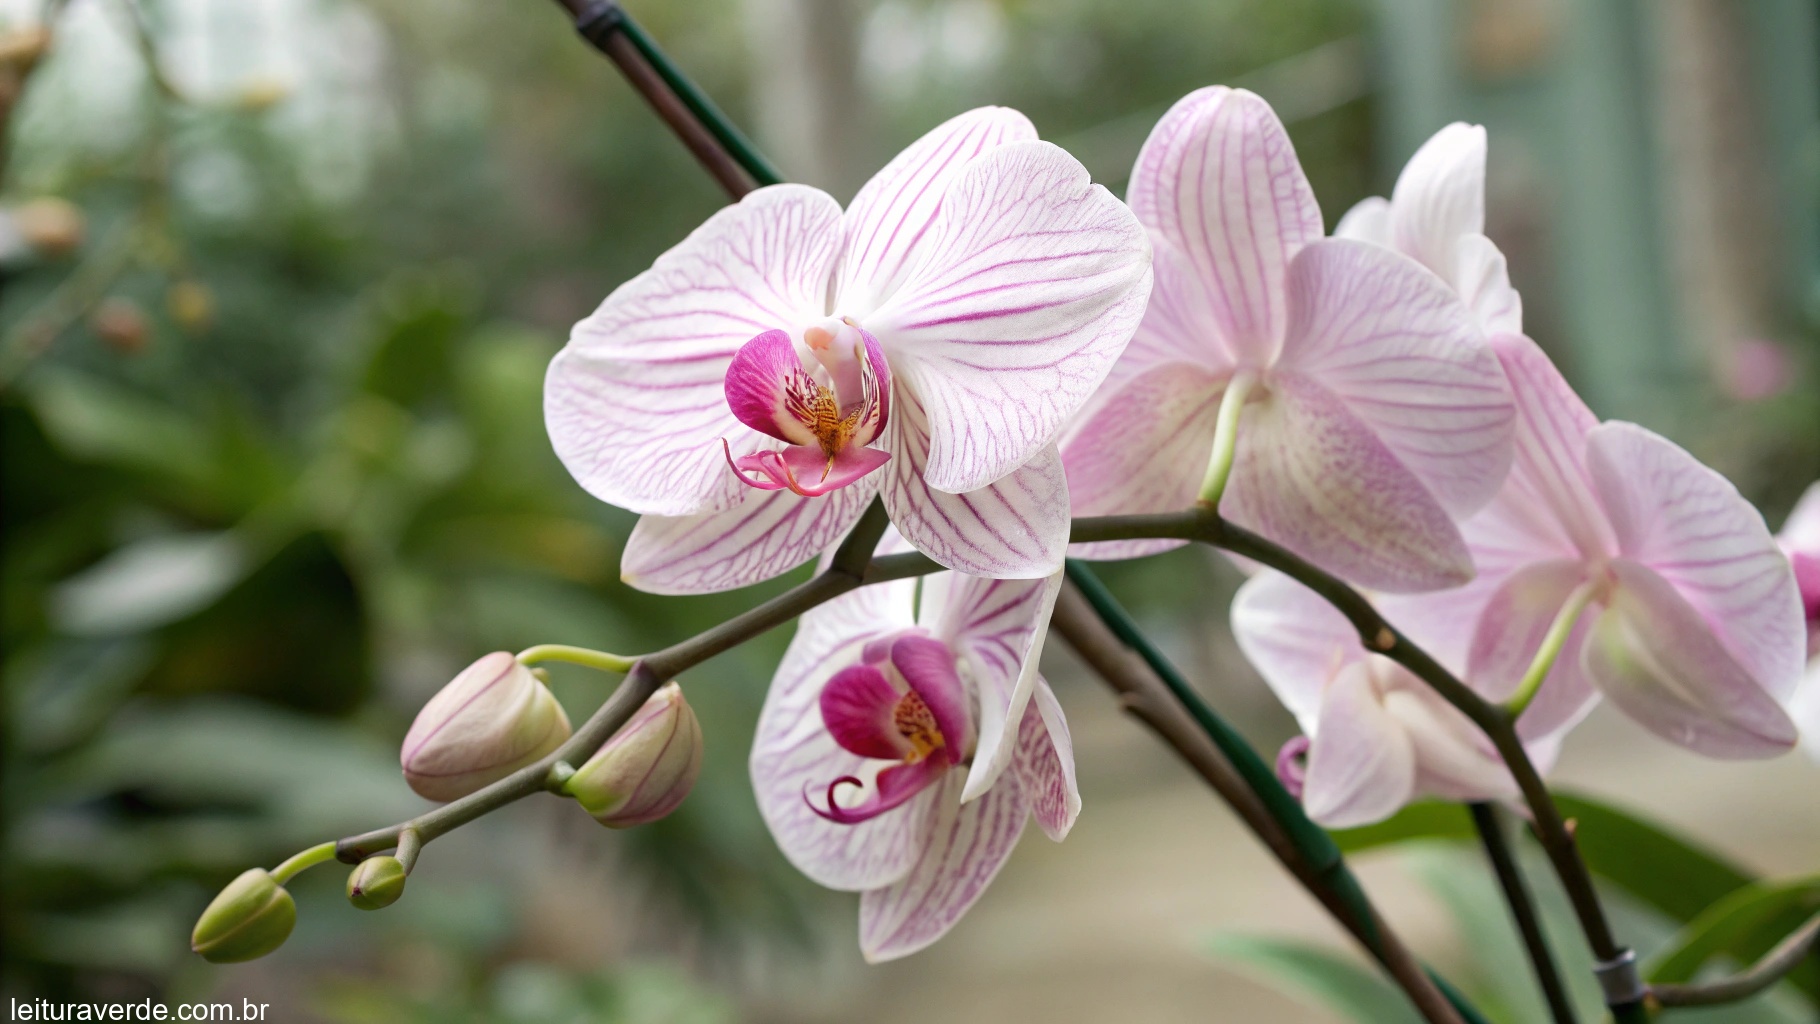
<point>1522,911</point>
<point>1558,632</point>
<point>1777,963</point>
<point>1225,438</point>
<point>616,663</point>
<point>302,861</point>
<point>410,844</point>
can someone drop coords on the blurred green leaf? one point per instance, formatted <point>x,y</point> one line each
<point>1427,819</point>
<point>1742,927</point>
<point>97,421</point>
<point>1317,976</point>
<point>150,582</point>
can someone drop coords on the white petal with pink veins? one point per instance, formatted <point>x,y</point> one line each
<point>1510,632</point>
<point>1398,347</point>
<point>959,849</point>
<point>1045,764</point>
<point>1801,530</point>
<point>1690,525</point>
<point>1482,278</point>
<point>1369,220</point>
<point>1295,640</point>
<point>1454,759</point>
<point>1033,282</point>
<point>793,751</point>
<point>888,226</point>
<point>768,534</point>
<point>1361,767</point>
<point>635,404</point>
<point>1548,503</point>
<point>1016,528</point>
<point>1179,326</point>
<point>1218,180</point>
<point>1310,475</point>
<point>1440,197</point>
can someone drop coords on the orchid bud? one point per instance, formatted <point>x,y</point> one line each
<point>491,720</point>
<point>647,768</point>
<point>248,919</point>
<point>376,883</point>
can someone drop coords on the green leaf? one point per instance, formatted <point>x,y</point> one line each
<point>1743,926</point>
<point>1427,819</point>
<point>1318,976</point>
<point>1674,875</point>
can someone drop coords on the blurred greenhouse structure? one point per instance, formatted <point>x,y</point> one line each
<point>280,279</point>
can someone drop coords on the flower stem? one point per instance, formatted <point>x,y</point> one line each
<point>616,663</point>
<point>1522,910</point>
<point>321,853</point>
<point>1558,631</point>
<point>1225,438</point>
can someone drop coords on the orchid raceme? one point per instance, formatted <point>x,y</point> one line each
<point>1436,216</point>
<point>1692,622</point>
<point>1374,736</point>
<point>753,390</point>
<point>1800,540</point>
<point>1371,413</point>
<point>902,749</point>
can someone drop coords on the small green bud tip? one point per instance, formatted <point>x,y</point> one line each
<point>377,882</point>
<point>248,919</point>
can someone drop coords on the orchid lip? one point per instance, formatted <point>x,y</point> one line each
<point>827,398</point>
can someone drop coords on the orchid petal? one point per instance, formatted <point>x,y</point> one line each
<point>1143,449</point>
<point>859,706</point>
<point>998,627</point>
<point>1014,528</point>
<point>810,473</point>
<point>1034,280</point>
<point>1295,640</point>
<point>959,849</point>
<point>1510,631</point>
<point>891,221</point>
<point>1361,766</point>
<point>1548,504</point>
<point>1482,278</point>
<point>928,666</point>
<point>770,534</point>
<point>1218,180</point>
<point>1311,476</point>
<point>1692,526</point>
<point>1045,764</point>
<point>1805,710</point>
<point>793,752</point>
<point>1398,348</point>
<point>1440,196</point>
<point>635,404</point>
<point>1658,660</point>
<point>1454,760</point>
<point>1178,325</point>
<point>1801,530</point>
<point>1369,220</point>
<point>761,380</point>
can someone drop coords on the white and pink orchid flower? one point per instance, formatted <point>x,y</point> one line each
<point>1373,412</point>
<point>752,391</point>
<point>1800,540</point>
<point>901,750</point>
<point>1436,216</point>
<point>1374,737</point>
<point>1691,620</point>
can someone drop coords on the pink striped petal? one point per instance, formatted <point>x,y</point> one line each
<point>1690,525</point>
<point>793,753</point>
<point>1144,448</point>
<point>770,534</point>
<point>1398,348</point>
<point>1454,759</point>
<point>1045,764</point>
<point>1657,659</point>
<point>1179,325</point>
<point>635,405</point>
<point>1015,528</point>
<point>859,707</point>
<point>1440,197</point>
<point>761,379</point>
<point>1548,504</point>
<point>1509,633</point>
<point>1034,281</point>
<point>890,223</point>
<point>1310,475</point>
<point>928,666</point>
<point>959,850</point>
<point>1361,766</point>
<point>1369,220</point>
<point>1295,640</point>
<point>1218,180</point>
<point>997,627</point>
<point>1482,278</point>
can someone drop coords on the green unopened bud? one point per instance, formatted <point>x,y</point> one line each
<point>491,720</point>
<point>377,882</point>
<point>248,919</point>
<point>647,768</point>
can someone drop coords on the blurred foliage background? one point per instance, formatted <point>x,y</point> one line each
<point>280,280</point>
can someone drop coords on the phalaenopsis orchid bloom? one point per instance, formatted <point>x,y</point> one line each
<point>1684,612</point>
<point>753,390</point>
<point>901,749</point>
<point>1373,412</point>
<point>1800,540</point>
<point>1436,216</point>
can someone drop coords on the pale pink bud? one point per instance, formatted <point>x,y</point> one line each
<point>647,768</point>
<point>491,720</point>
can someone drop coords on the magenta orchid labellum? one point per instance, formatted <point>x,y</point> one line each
<point>1369,411</point>
<point>752,391</point>
<point>902,749</point>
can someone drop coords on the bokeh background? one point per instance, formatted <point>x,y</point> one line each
<point>281,278</point>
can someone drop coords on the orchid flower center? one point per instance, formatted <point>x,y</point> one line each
<point>903,704</point>
<point>826,398</point>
